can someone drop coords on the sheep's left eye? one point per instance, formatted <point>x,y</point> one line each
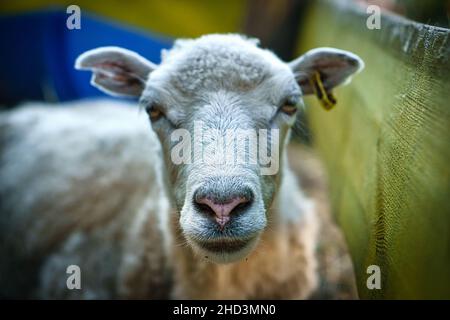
<point>289,107</point>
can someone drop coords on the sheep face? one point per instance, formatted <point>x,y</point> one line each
<point>222,109</point>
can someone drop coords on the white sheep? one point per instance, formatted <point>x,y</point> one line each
<point>93,184</point>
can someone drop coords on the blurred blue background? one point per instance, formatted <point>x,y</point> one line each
<point>38,58</point>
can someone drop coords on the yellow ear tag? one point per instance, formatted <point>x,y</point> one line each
<point>327,100</point>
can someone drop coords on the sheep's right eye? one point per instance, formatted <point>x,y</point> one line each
<point>154,113</point>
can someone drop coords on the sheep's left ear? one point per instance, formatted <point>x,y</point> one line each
<point>334,66</point>
<point>116,71</point>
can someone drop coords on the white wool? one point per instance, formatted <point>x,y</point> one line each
<point>209,60</point>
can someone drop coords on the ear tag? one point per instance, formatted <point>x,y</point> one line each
<point>326,98</point>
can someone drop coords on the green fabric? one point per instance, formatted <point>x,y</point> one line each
<point>386,149</point>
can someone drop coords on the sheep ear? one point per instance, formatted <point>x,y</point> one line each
<point>334,66</point>
<point>116,71</point>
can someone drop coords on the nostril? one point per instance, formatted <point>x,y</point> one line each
<point>241,206</point>
<point>222,209</point>
<point>204,208</point>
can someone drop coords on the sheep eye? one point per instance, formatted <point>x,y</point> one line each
<point>154,113</point>
<point>289,107</point>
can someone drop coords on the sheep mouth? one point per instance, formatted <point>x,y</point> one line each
<point>224,250</point>
<point>223,246</point>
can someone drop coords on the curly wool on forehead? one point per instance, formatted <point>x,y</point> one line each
<point>218,62</point>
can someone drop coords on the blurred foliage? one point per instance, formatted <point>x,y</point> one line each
<point>170,17</point>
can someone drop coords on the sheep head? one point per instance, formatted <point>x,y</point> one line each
<point>222,108</point>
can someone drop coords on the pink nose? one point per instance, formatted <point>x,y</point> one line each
<point>222,211</point>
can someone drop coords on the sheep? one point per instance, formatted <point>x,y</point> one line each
<point>95,184</point>
<point>75,181</point>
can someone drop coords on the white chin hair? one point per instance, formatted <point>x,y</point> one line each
<point>225,257</point>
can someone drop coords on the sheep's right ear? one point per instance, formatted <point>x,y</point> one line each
<point>116,71</point>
